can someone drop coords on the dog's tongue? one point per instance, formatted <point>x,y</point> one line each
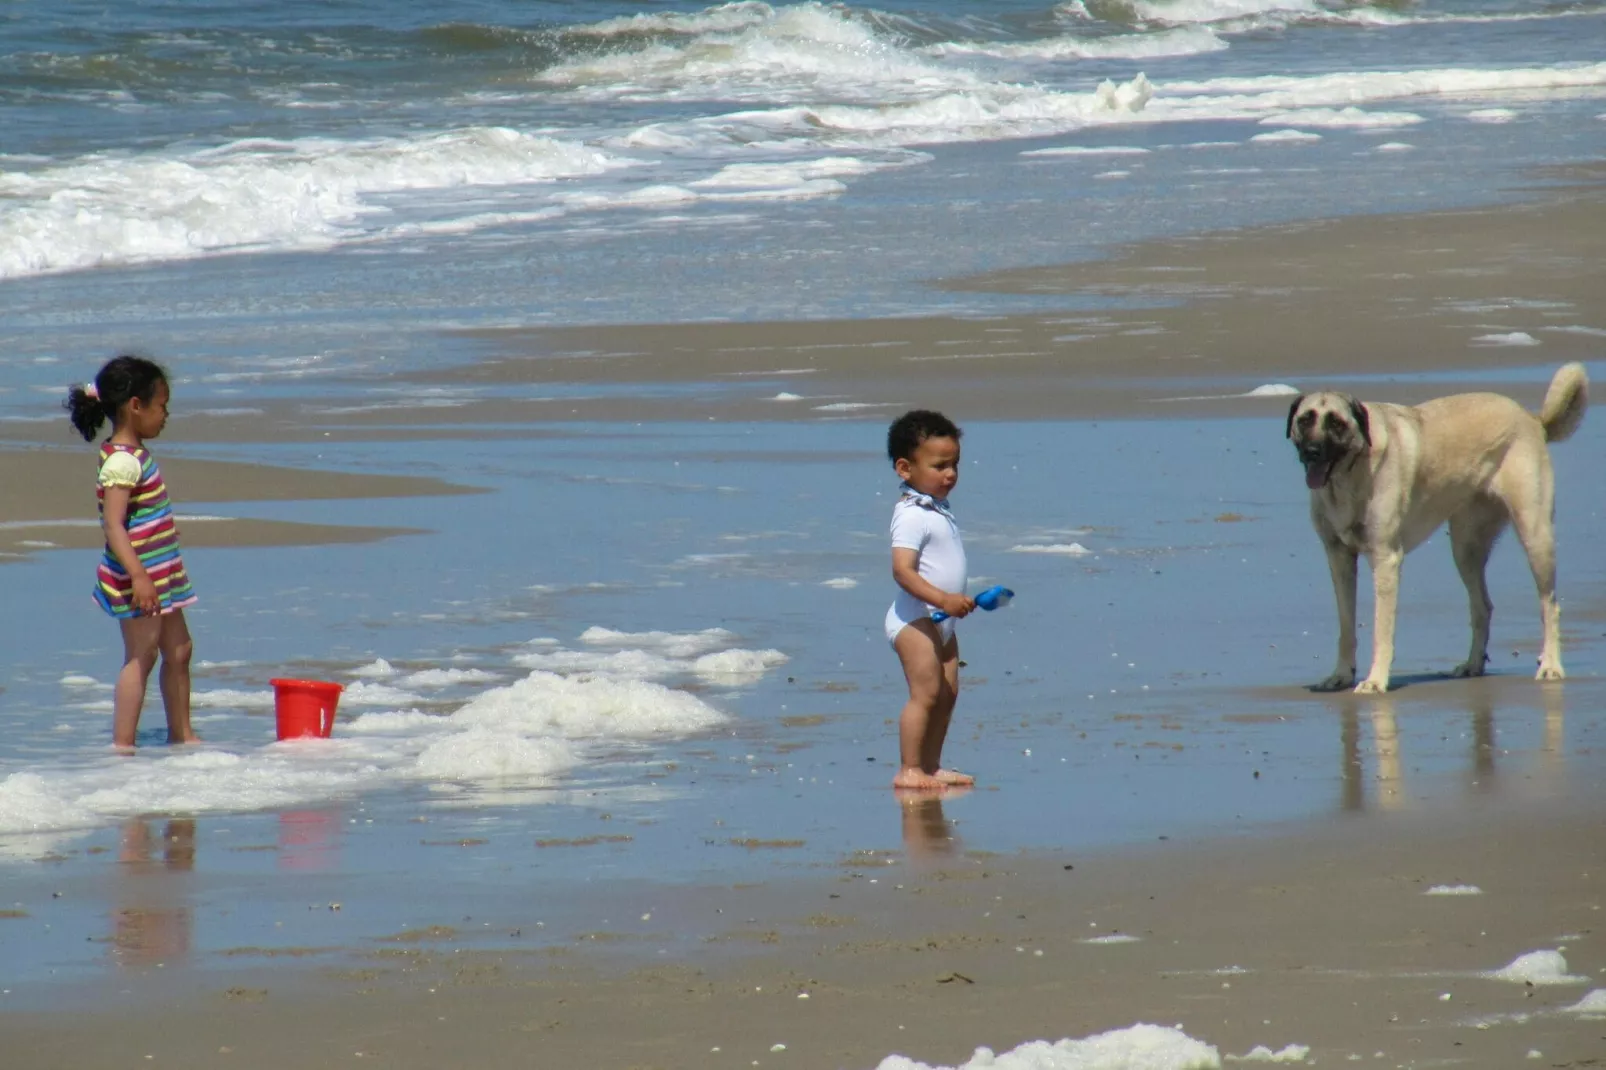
<point>1316,475</point>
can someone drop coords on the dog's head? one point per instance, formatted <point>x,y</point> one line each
<point>1327,429</point>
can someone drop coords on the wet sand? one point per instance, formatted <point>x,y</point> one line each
<point>1323,937</point>
<point>48,492</point>
<point>1180,327</point>
<point>1208,317</point>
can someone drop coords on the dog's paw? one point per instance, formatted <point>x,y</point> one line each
<point>1371,687</point>
<point>1469,668</point>
<point>1550,672</point>
<point>1337,682</point>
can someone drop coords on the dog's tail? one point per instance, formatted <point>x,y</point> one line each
<point>1565,402</point>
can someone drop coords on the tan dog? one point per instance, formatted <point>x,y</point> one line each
<point>1383,478</point>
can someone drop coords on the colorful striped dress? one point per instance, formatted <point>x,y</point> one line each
<point>150,528</point>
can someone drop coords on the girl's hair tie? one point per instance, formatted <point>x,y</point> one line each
<point>91,390</point>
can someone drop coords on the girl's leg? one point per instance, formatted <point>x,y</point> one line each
<point>918,647</point>
<point>176,647</point>
<point>942,716</point>
<point>140,637</point>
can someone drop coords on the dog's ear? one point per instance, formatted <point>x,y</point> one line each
<point>1358,412</point>
<point>1288,432</point>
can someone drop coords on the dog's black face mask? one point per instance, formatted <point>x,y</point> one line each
<point>1326,429</point>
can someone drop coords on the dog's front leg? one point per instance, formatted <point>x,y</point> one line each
<point>1341,562</point>
<point>1385,596</point>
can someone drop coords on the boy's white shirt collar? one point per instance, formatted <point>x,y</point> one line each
<point>919,498</point>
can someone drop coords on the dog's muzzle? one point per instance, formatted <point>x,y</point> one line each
<point>1319,459</point>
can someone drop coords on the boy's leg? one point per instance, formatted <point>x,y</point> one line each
<point>942,716</point>
<point>140,636</point>
<point>919,650</point>
<point>176,647</point>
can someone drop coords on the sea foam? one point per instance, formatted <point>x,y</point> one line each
<point>1138,1047</point>
<point>535,731</point>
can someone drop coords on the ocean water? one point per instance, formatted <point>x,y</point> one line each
<point>299,190</point>
<point>664,641</point>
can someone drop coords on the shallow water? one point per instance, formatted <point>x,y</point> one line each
<point>1147,688</point>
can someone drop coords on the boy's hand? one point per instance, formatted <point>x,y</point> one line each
<point>957,605</point>
<point>146,601</point>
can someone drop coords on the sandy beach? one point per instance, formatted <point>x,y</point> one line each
<point>1368,933</point>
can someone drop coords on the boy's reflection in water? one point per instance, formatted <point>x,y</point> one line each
<point>151,924</point>
<point>927,834</point>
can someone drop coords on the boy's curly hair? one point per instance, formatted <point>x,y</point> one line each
<point>914,427</point>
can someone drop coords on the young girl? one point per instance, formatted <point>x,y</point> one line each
<point>141,580</point>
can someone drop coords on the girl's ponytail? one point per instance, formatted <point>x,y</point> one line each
<point>85,410</point>
<point>91,404</point>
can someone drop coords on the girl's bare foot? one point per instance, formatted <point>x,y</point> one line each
<point>189,737</point>
<point>953,777</point>
<point>913,776</point>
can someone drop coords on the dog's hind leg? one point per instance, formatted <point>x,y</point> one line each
<point>1385,561</point>
<point>1341,562</point>
<point>1473,532</point>
<point>1536,527</point>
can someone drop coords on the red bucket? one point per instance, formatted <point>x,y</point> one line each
<point>305,708</point>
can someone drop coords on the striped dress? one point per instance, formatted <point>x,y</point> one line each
<point>155,538</point>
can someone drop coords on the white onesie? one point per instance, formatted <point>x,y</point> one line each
<point>922,523</point>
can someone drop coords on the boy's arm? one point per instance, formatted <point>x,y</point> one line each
<point>114,513</point>
<point>906,573</point>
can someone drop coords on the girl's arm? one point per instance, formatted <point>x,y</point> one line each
<point>114,516</point>
<point>906,573</point>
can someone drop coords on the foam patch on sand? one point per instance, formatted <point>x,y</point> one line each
<point>670,644</point>
<point>1112,938</point>
<point>1514,338</point>
<point>1536,968</point>
<point>1286,137</point>
<point>656,655</point>
<point>1592,1005</point>
<point>436,678</point>
<point>1265,390</point>
<point>1137,1047</point>
<point>1338,118</point>
<point>1454,889</point>
<point>1089,150</point>
<point>1068,549</point>
<point>1293,1053</point>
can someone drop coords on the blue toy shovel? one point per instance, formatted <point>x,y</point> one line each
<point>995,597</point>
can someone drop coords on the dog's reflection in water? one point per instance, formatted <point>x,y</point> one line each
<point>1385,782</point>
<point>927,832</point>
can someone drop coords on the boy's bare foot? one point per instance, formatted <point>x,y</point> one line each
<point>190,738</point>
<point>913,776</point>
<point>953,777</point>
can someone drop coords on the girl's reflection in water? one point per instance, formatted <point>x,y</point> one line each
<point>152,923</point>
